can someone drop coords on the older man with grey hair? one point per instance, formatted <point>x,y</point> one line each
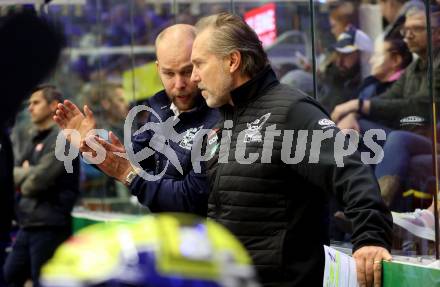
<point>276,209</point>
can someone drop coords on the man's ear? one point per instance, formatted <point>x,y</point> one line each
<point>234,61</point>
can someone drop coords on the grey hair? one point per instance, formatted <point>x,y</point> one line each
<point>231,33</point>
<point>415,10</point>
<point>420,9</point>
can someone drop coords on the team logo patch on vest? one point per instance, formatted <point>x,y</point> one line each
<point>213,143</point>
<point>253,131</point>
<point>212,136</point>
<point>188,139</point>
<point>326,123</point>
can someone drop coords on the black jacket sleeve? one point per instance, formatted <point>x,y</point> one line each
<point>353,184</point>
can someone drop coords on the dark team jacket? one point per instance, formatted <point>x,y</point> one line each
<point>279,210</point>
<point>175,191</point>
<point>48,191</point>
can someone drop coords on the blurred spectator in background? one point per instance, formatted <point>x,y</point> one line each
<point>109,105</point>
<point>394,12</point>
<point>342,79</point>
<point>388,64</point>
<point>342,15</point>
<point>47,193</point>
<point>110,109</point>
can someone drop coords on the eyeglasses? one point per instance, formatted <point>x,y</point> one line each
<point>414,30</point>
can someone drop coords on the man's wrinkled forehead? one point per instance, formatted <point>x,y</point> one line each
<point>198,46</point>
<point>415,18</point>
<point>174,51</point>
<point>202,44</point>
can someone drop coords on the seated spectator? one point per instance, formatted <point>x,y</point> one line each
<point>388,64</point>
<point>342,78</point>
<point>409,96</point>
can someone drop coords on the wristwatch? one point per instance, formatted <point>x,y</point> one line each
<point>129,178</point>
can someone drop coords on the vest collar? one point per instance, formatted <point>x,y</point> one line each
<point>254,87</point>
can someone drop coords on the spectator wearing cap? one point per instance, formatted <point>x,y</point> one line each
<point>355,41</point>
<point>341,17</point>
<point>344,76</point>
<point>388,62</point>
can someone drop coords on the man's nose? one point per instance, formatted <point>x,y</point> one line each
<point>195,77</point>
<point>180,82</point>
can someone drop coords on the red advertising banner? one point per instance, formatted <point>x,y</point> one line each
<point>263,21</point>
